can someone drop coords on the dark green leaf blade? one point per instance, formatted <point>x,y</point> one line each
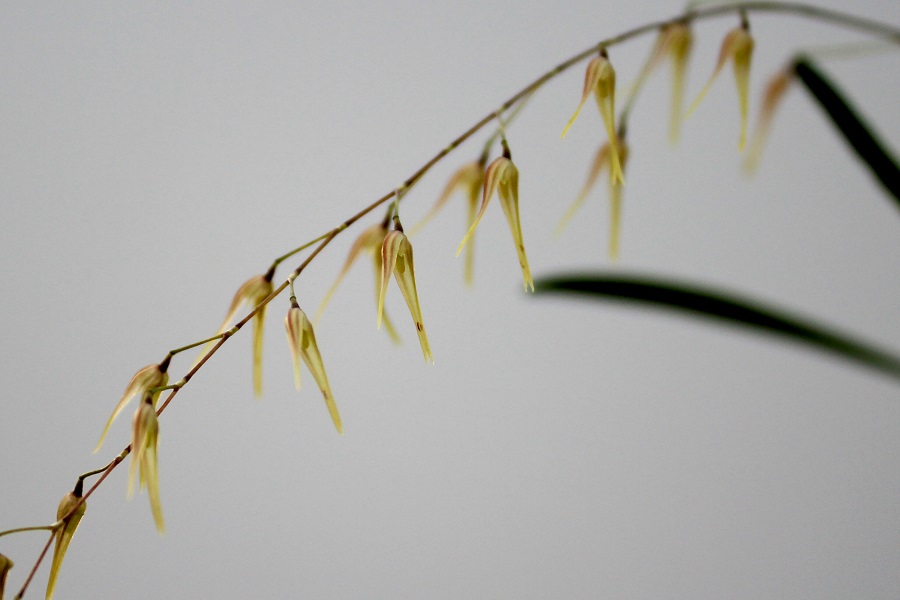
<point>856,131</point>
<point>716,304</point>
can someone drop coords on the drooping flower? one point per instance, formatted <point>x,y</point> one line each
<point>677,41</point>
<point>144,442</point>
<point>370,241</point>
<point>772,96</point>
<point>5,566</point>
<point>397,259</point>
<point>600,79</point>
<point>469,177</point>
<point>502,176</point>
<point>252,292</point>
<point>601,159</point>
<point>737,46</point>
<point>302,340</point>
<point>65,532</point>
<point>151,376</point>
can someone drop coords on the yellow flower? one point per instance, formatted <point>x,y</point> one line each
<point>601,159</point>
<point>677,41</point>
<point>252,292</point>
<point>302,341</point>
<point>397,259</point>
<point>5,566</point>
<point>64,533</point>
<point>370,240</point>
<point>469,177</point>
<point>502,176</point>
<point>151,376</point>
<point>737,46</point>
<point>144,441</point>
<point>600,78</point>
<point>775,90</point>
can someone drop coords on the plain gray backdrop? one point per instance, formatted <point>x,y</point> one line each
<point>153,156</point>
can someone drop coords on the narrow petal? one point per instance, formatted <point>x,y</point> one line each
<point>385,320</point>
<point>64,536</point>
<point>405,275</point>
<point>309,350</point>
<point>389,250</point>
<point>144,416</point>
<point>509,200</point>
<point>471,210</point>
<point>615,208</point>
<point>293,324</point>
<point>743,51</point>
<point>775,91</point>
<point>591,76</point>
<point>259,321</point>
<point>600,159</point>
<point>150,473</point>
<point>149,377</point>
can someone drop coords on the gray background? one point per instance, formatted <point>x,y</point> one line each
<point>153,157</point>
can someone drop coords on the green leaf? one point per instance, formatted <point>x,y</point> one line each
<point>715,304</point>
<point>856,131</point>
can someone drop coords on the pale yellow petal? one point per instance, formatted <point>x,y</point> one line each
<point>150,473</point>
<point>293,324</point>
<point>679,44</point>
<point>309,350</point>
<point>743,51</point>
<point>389,250</point>
<point>404,274</point>
<point>259,321</point>
<point>615,208</point>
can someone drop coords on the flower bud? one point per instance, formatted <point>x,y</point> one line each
<point>397,259</point>
<point>772,96</point>
<point>502,176</point>
<point>302,341</point>
<point>737,46</point>
<point>600,78</point>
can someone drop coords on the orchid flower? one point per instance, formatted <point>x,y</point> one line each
<point>64,533</point>
<point>252,292</point>
<point>151,376</point>
<point>370,240</point>
<point>469,177</point>
<point>397,259</point>
<point>502,177</point>
<point>601,159</point>
<point>737,46</point>
<point>772,96</point>
<point>302,340</point>
<point>600,78</point>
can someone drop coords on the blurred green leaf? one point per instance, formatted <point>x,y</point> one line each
<point>856,131</point>
<point>711,304</point>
